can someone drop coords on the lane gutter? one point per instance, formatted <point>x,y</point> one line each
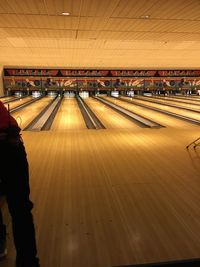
<point>91,120</point>
<point>30,125</point>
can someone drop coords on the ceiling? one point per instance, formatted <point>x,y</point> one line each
<point>100,33</point>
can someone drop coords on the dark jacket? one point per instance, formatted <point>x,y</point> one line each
<point>8,125</point>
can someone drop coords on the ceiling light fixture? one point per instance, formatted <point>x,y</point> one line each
<point>65,13</point>
<point>145,17</point>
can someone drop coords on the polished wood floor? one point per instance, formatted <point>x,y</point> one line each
<point>113,197</point>
<point>119,196</point>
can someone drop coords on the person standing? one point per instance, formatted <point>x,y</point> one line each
<point>14,183</point>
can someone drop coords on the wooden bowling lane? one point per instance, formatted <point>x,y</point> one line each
<point>110,198</point>
<point>191,97</point>
<point>189,114</point>
<point>179,99</point>
<point>19,102</point>
<point>161,118</point>
<point>69,116</point>
<point>27,114</point>
<point>7,98</point>
<point>177,103</point>
<point>110,118</point>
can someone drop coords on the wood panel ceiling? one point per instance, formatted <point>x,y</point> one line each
<point>100,33</point>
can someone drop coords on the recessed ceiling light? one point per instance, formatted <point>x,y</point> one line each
<point>145,17</point>
<point>65,13</point>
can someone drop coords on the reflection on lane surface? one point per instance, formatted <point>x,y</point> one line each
<point>69,116</point>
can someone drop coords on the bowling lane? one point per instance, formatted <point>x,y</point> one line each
<point>179,99</point>
<point>7,98</point>
<point>69,116</point>
<point>110,118</point>
<point>177,103</point>
<point>187,113</point>
<point>194,97</point>
<point>163,119</point>
<point>19,102</point>
<point>27,114</point>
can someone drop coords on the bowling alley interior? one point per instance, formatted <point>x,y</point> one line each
<point>107,96</point>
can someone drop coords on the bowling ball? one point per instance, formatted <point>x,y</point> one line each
<point>46,84</point>
<point>172,83</point>
<point>80,83</point>
<point>37,82</point>
<point>107,83</point>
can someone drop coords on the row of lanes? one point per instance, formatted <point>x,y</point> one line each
<point>160,118</point>
<point>177,102</point>
<point>69,116</point>
<point>179,99</point>
<point>191,97</point>
<point>182,112</point>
